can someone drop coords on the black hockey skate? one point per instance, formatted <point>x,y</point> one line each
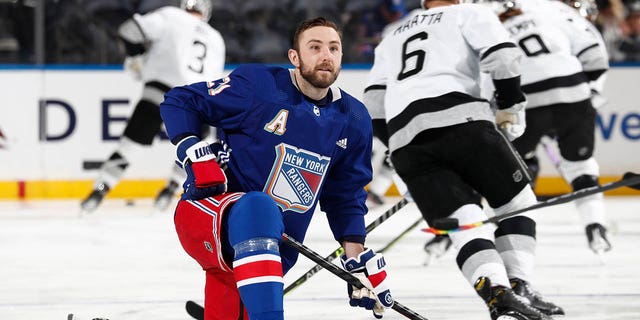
<point>436,248</point>
<point>597,237</point>
<point>504,304</point>
<point>522,288</point>
<point>165,196</point>
<point>93,200</point>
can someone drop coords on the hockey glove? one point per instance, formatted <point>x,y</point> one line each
<point>204,176</point>
<point>598,100</point>
<point>133,65</point>
<point>511,121</point>
<point>370,268</point>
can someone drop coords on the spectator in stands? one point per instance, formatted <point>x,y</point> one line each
<point>610,22</point>
<point>630,44</point>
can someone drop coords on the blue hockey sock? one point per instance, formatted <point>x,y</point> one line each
<point>258,272</point>
<point>255,228</point>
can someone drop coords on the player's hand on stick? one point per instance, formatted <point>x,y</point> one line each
<point>598,100</point>
<point>370,268</point>
<point>511,121</point>
<point>205,178</point>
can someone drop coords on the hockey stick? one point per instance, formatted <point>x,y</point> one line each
<point>551,153</point>
<point>337,252</point>
<point>400,236</point>
<point>196,311</point>
<point>450,225</point>
<point>344,275</point>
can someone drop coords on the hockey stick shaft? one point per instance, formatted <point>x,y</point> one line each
<point>197,311</point>
<point>337,252</point>
<point>551,152</point>
<point>630,179</point>
<point>344,275</point>
<point>400,236</point>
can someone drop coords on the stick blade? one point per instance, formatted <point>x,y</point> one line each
<point>195,310</point>
<point>446,223</point>
<point>631,175</point>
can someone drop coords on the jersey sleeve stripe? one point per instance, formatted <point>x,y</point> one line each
<point>594,74</point>
<point>556,82</point>
<point>428,105</point>
<point>375,87</point>
<point>496,48</point>
<point>587,49</point>
<point>158,85</point>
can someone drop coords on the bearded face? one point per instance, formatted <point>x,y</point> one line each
<point>321,74</point>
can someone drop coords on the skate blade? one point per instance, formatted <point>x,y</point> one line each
<point>429,260</point>
<point>601,257</point>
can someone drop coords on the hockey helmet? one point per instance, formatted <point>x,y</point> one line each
<point>586,8</point>
<point>204,7</point>
<point>497,6</point>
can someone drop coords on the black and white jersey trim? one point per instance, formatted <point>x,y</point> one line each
<point>154,91</point>
<point>496,48</point>
<point>556,82</point>
<point>375,87</point>
<point>587,49</point>
<point>428,105</point>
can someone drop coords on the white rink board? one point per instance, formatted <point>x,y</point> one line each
<point>53,120</point>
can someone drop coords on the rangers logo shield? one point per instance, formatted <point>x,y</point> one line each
<point>296,177</point>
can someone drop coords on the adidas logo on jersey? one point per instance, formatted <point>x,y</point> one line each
<point>342,143</point>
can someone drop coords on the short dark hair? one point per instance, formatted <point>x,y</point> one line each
<point>310,23</point>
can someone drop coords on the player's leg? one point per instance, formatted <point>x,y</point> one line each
<point>199,229</point>
<point>142,127</point>
<point>382,176</point>
<point>501,177</point>
<point>255,228</point>
<point>222,300</point>
<point>539,123</point>
<point>576,141</point>
<point>440,193</point>
<point>167,194</point>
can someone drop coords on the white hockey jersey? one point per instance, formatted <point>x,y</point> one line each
<point>426,71</point>
<point>182,49</point>
<point>571,14</point>
<point>556,52</point>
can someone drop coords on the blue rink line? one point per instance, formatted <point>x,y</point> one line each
<point>227,67</point>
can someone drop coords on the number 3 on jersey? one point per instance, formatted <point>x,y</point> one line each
<point>419,55</point>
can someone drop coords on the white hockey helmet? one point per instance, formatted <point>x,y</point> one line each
<point>586,8</point>
<point>423,3</point>
<point>497,6</point>
<point>203,6</point>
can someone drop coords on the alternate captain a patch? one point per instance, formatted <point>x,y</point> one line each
<point>296,177</point>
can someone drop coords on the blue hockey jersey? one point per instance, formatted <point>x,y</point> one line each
<point>296,150</point>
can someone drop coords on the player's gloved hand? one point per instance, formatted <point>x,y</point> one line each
<point>370,268</point>
<point>204,176</point>
<point>133,65</point>
<point>598,100</point>
<point>511,121</point>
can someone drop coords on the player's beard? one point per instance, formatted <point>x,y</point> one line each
<point>316,78</point>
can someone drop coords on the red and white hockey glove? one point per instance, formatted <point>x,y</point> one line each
<point>370,268</point>
<point>205,178</point>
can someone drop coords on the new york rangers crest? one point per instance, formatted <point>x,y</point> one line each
<point>296,177</point>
